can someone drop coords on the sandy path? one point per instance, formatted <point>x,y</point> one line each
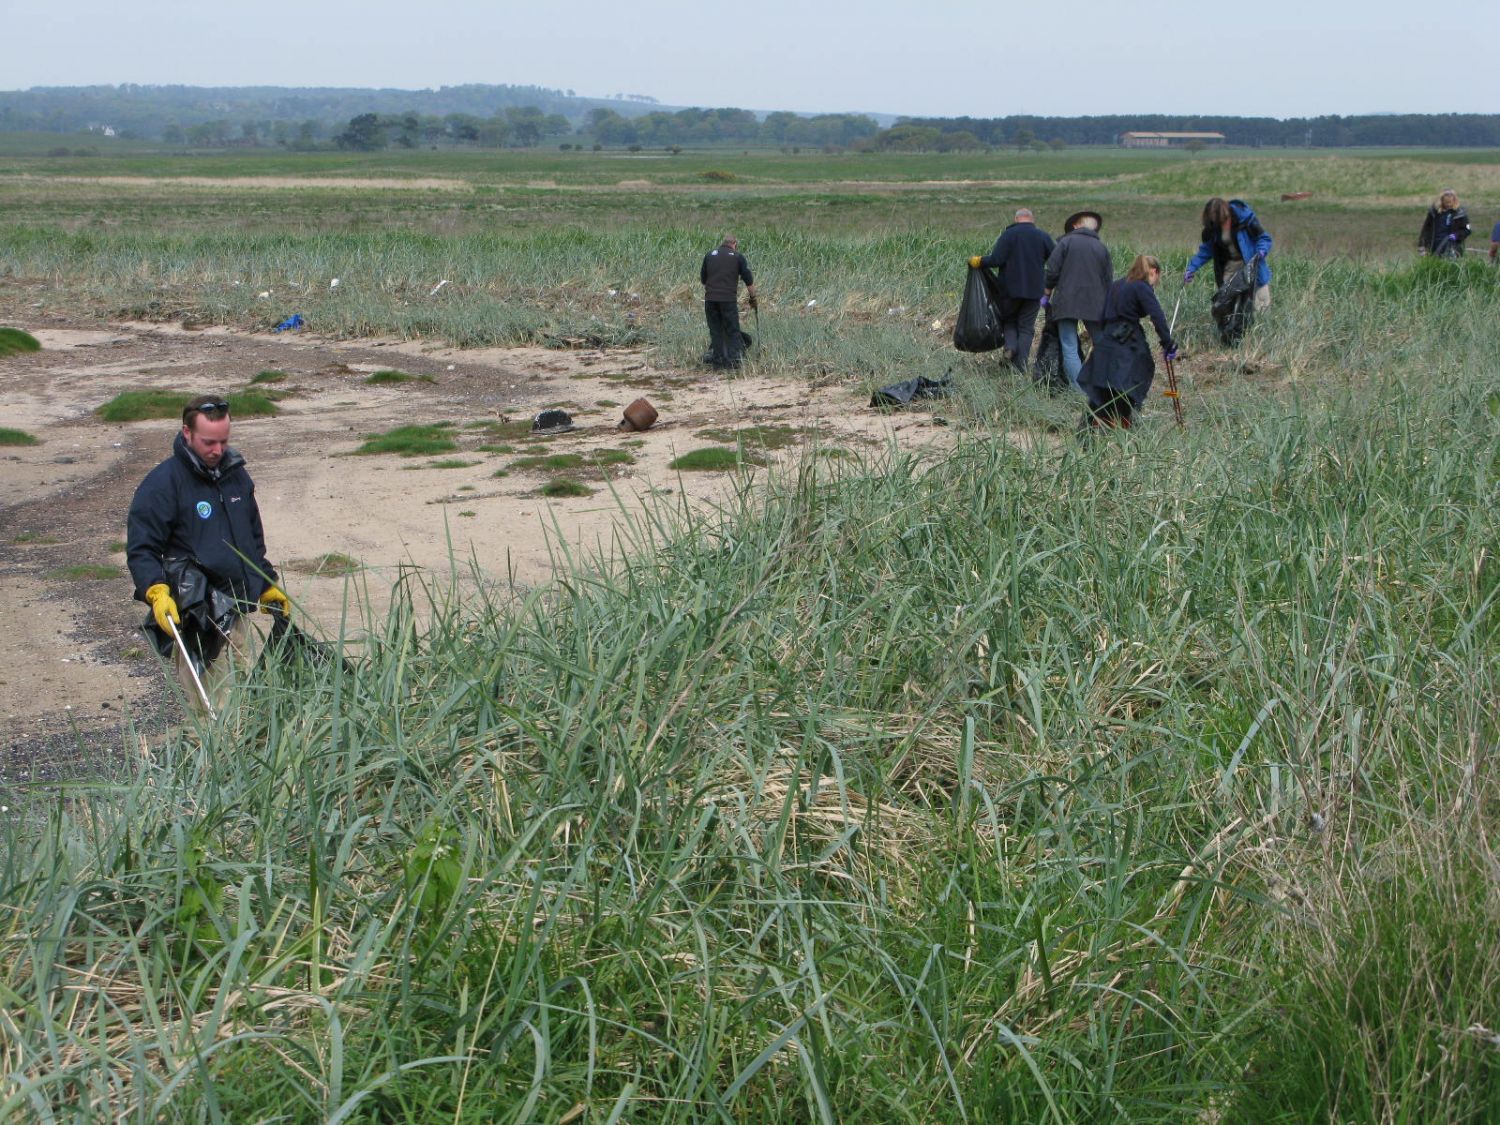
<point>70,658</point>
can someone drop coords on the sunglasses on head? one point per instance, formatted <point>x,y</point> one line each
<point>220,407</point>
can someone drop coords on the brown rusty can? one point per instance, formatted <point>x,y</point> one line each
<point>639,415</point>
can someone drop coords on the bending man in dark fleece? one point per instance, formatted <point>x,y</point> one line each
<point>723,269</point>
<point>198,507</point>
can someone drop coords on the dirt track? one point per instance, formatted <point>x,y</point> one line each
<point>73,669</point>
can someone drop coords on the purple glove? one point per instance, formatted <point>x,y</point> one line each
<point>1046,301</point>
<point>1187,276</point>
<point>1170,354</point>
<point>1453,238</point>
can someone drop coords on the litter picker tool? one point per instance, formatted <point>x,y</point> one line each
<point>187,659</point>
<point>1172,393</point>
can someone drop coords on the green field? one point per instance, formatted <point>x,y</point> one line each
<point>1150,780</point>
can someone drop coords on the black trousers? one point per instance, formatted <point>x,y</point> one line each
<point>725,345</point>
<point>1019,326</point>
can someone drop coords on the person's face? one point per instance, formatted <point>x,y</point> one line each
<point>207,438</point>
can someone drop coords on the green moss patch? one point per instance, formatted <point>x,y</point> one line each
<point>765,437</point>
<point>716,459</point>
<point>329,565</point>
<point>17,437</point>
<point>411,441</point>
<point>13,341</point>
<point>86,572</point>
<point>398,377</point>
<point>564,487</point>
<point>140,406</point>
<point>268,377</point>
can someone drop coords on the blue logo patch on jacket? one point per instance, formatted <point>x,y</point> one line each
<point>205,509</point>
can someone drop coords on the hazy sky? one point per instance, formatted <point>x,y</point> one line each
<point>1279,58</point>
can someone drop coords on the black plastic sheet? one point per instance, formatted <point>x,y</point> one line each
<point>904,393</point>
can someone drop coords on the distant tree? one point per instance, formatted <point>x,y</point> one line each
<point>960,140</point>
<point>1022,140</point>
<point>463,127</point>
<point>173,134</point>
<point>1057,144</point>
<point>1195,146</point>
<point>364,133</point>
<point>408,129</point>
<point>494,132</point>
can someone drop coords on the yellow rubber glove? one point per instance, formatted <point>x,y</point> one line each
<point>274,601</point>
<point>974,262</point>
<point>163,606</point>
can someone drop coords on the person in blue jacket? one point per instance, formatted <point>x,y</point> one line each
<point>1118,373</point>
<point>1233,240</point>
<point>197,508</point>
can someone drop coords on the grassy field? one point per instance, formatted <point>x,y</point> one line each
<point>1151,780</point>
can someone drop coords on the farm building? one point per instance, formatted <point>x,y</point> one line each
<point>1169,140</point>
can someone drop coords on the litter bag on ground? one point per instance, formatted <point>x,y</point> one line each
<point>1233,306</point>
<point>902,394</point>
<point>978,326</point>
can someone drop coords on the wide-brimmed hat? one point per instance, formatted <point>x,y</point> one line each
<point>1077,217</point>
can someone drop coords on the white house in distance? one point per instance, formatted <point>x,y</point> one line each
<point>1169,140</point>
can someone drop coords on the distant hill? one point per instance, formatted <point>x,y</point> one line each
<point>148,111</point>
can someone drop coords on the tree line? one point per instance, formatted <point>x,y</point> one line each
<point>499,115</point>
<point>1447,130</point>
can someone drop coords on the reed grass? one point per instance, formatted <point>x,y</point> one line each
<point>1143,780</point>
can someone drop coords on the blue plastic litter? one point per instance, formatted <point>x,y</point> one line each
<point>293,321</point>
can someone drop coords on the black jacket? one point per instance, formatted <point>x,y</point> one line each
<point>1436,228</point>
<point>722,272</point>
<point>185,509</point>
<point>1020,254</point>
<point>1121,362</point>
<point>1078,273</point>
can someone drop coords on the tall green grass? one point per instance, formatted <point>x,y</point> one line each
<point>1144,780</point>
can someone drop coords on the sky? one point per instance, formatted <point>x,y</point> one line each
<point>1272,58</point>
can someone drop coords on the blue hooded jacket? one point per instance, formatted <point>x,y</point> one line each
<point>1251,238</point>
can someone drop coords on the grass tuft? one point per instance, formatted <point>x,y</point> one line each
<point>14,341</point>
<point>9,436</point>
<point>140,406</point>
<point>716,459</point>
<point>411,441</point>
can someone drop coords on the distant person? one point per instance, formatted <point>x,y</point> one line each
<point>1076,280</point>
<point>1020,255</point>
<point>722,271</point>
<point>1118,374</point>
<point>1238,246</point>
<point>196,514</point>
<point>1445,228</point>
<point>1495,243</point>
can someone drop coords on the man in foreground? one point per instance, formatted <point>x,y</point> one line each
<point>195,546</point>
<point>722,271</point>
<point>1020,255</point>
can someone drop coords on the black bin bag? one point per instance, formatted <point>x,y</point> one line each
<point>978,328</point>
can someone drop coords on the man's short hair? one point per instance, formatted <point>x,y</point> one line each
<point>213,407</point>
<point>1089,221</point>
<point>1023,213</point>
